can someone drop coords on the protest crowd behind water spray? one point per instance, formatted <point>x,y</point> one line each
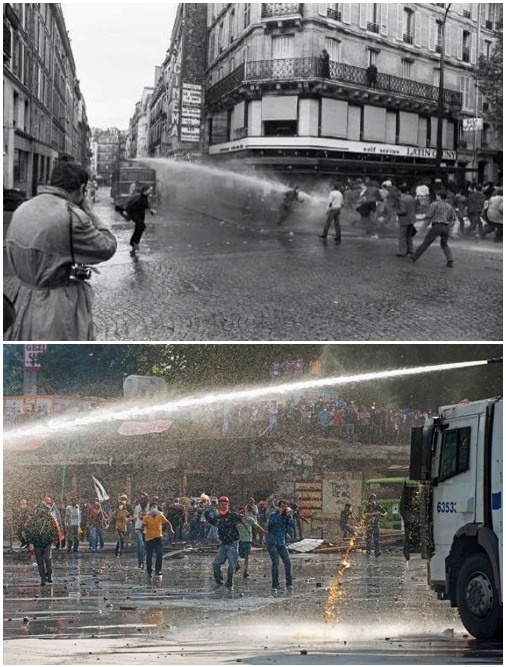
<point>57,425</point>
<point>115,413</point>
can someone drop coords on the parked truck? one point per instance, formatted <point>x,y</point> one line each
<point>457,459</point>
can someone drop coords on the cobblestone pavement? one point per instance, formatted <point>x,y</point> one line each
<point>200,278</point>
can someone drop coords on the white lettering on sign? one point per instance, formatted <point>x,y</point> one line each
<point>31,356</point>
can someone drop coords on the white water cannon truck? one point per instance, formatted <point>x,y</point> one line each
<point>457,460</point>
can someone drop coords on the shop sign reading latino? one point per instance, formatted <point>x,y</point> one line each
<point>32,352</point>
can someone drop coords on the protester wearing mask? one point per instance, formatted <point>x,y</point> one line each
<point>154,522</point>
<point>229,537</point>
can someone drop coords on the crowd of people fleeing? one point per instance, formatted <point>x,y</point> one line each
<point>269,523</point>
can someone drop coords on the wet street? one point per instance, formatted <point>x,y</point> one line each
<point>202,277</point>
<point>102,609</point>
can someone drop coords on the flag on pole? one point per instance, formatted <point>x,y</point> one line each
<point>99,490</point>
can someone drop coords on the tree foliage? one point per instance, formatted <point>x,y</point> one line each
<point>99,370</point>
<point>489,76</point>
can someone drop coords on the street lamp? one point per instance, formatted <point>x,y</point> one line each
<point>440,105</point>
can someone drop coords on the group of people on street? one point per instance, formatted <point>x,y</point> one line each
<point>41,528</point>
<point>442,211</point>
<point>55,239</point>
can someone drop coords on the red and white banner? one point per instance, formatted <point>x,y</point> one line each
<point>141,428</point>
<point>23,444</point>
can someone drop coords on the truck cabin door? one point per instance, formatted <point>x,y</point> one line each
<point>457,500</point>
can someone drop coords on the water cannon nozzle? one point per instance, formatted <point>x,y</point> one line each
<point>495,360</point>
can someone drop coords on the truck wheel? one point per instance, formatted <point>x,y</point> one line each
<point>478,599</point>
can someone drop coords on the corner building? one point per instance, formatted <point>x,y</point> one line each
<point>270,105</point>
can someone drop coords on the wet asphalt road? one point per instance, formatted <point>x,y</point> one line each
<point>104,609</point>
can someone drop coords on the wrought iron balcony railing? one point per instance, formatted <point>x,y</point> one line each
<point>372,27</point>
<point>333,14</point>
<point>274,9</point>
<point>308,69</point>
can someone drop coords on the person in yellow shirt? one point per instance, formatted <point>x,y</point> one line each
<point>154,521</point>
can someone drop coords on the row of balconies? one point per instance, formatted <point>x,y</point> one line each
<point>296,70</point>
<point>286,9</point>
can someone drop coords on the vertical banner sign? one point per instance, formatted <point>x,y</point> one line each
<point>191,109</point>
<point>31,357</point>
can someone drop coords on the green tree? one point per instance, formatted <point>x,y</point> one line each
<point>489,75</point>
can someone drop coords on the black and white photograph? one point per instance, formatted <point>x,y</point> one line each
<point>253,172</point>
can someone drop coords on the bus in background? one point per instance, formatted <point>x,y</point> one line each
<point>392,493</point>
<point>129,175</point>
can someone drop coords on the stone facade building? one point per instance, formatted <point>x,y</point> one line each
<point>44,110</point>
<point>270,103</point>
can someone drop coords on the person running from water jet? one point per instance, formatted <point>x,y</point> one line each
<point>41,532</point>
<point>345,520</point>
<point>441,216</point>
<point>290,196</point>
<point>135,210</point>
<point>72,525</point>
<point>59,521</point>
<point>228,534</point>
<point>334,214</point>
<point>139,512</point>
<point>154,522</point>
<point>119,519</point>
<point>245,530</point>
<point>96,520</point>
<point>372,513</point>
<point>280,522</point>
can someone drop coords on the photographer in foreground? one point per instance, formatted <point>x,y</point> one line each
<point>50,241</point>
<point>281,521</point>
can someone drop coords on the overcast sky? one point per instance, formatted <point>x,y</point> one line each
<point>116,47</point>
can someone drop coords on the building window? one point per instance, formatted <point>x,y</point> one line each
<point>407,68</point>
<point>333,47</point>
<point>489,15</point>
<point>247,14</point>
<point>280,128</point>
<point>409,26</point>
<point>466,10</point>
<point>465,89</point>
<point>466,46</point>
<point>440,36</point>
<point>372,56</point>
<point>373,16</point>
<point>231,26</point>
<point>485,136</point>
<point>334,11</point>
<point>221,44</point>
